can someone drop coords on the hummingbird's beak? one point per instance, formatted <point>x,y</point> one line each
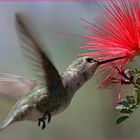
<point>110,60</point>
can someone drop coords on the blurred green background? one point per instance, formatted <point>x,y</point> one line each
<point>92,111</point>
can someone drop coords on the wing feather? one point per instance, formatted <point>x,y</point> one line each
<point>40,60</point>
<point>15,86</point>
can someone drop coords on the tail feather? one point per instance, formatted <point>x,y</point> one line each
<point>8,121</point>
<point>14,115</point>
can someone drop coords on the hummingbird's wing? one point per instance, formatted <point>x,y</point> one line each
<point>15,86</point>
<point>39,59</point>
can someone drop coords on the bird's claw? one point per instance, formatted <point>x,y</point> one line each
<point>42,120</point>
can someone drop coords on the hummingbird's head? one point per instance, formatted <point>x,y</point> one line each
<point>85,67</point>
<point>79,72</point>
<point>88,64</point>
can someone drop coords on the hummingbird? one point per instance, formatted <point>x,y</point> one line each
<point>40,100</point>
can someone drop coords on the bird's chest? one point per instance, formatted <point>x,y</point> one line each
<point>53,103</point>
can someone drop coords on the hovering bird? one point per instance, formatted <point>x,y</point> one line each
<point>39,101</point>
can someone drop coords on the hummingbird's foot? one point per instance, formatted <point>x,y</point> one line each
<point>46,115</point>
<point>42,120</point>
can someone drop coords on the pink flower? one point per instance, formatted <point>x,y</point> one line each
<point>116,33</point>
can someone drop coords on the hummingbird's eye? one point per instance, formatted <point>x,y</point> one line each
<point>90,60</point>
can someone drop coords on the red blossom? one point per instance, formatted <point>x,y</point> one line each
<point>116,33</point>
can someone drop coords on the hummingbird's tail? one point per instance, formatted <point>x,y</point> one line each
<point>7,122</point>
<point>14,116</point>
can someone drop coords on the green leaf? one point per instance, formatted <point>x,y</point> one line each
<point>135,72</point>
<point>131,102</point>
<point>120,107</point>
<point>129,99</point>
<point>121,119</point>
<point>138,81</point>
<point>136,94</point>
<point>124,103</point>
<point>133,106</point>
<point>127,111</point>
